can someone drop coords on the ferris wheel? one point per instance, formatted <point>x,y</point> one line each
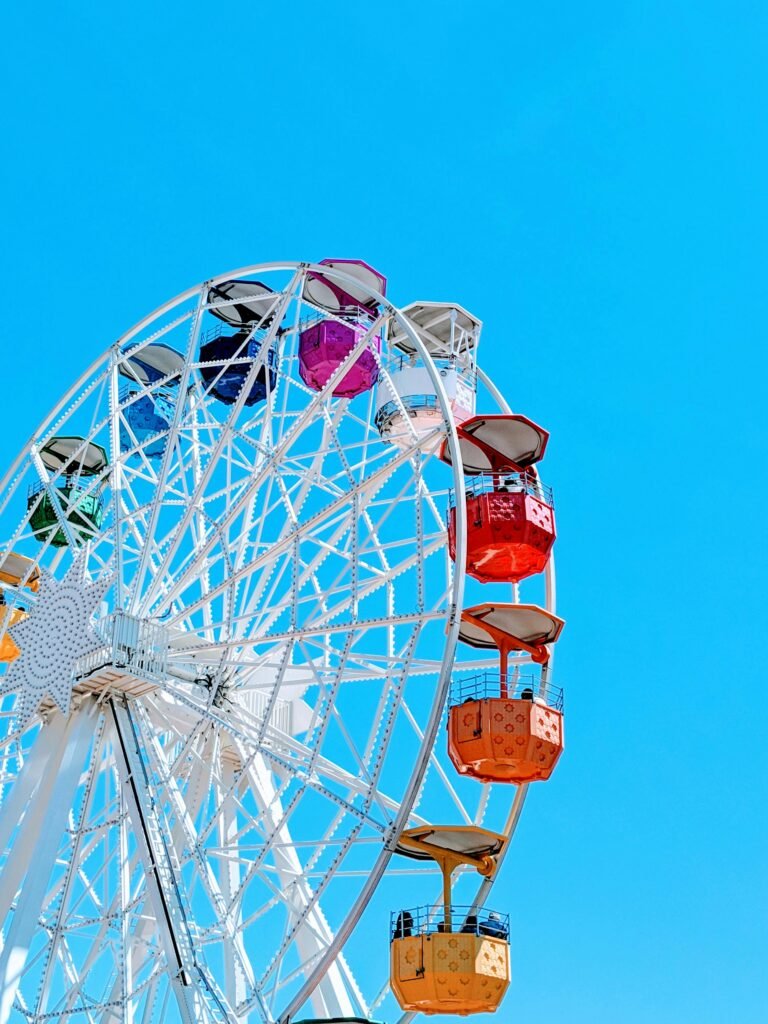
<point>276,615</point>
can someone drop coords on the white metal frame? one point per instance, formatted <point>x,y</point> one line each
<point>186,801</point>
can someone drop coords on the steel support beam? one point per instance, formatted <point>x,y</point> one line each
<point>37,845</point>
<point>197,1000</point>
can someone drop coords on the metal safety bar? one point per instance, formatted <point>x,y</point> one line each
<point>163,392</point>
<point>505,483</point>
<point>72,482</point>
<point>519,686</point>
<point>467,920</point>
<point>411,404</point>
<point>221,330</point>
<point>353,316</point>
<point>139,645</point>
<point>444,365</point>
<point>258,703</point>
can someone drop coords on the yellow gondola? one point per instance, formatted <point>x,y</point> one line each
<point>18,570</point>
<point>454,960</point>
<point>9,617</point>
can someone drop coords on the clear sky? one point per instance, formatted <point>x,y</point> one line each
<point>588,178</point>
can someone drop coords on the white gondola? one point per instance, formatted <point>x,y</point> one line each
<point>407,405</point>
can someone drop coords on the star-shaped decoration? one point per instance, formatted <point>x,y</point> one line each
<point>52,637</point>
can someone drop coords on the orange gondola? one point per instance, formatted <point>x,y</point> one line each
<point>450,959</point>
<point>504,727</point>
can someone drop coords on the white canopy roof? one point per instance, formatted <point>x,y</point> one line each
<point>72,455</point>
<point>14,568</point>
<point>466,840</point>
<point>445,328</point>
<point>325,292</point>
<point>151,363</point>
<point>490,443</point>
<point>526,622</point>
<point>255,303</point>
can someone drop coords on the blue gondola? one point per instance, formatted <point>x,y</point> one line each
<point>224,378</point>
<point>148,413</point>
<point>145,417</point>
<point>250,306</point>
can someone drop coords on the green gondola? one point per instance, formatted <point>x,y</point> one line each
<point>73,463</point>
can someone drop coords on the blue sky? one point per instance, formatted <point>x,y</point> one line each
<point>590,180</point>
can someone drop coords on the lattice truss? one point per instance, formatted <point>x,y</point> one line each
<point>198,824</point>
